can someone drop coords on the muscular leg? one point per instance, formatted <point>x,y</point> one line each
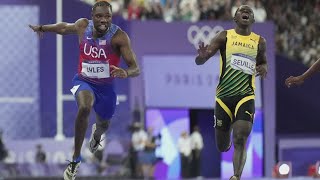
<point>222,124</point>
<point>241,131</point>
<point>85,101</point>
<point>102,126</point>
<point>223,139</point>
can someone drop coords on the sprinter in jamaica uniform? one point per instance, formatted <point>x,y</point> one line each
<point>242,58</point>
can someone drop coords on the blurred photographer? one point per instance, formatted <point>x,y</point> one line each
<point>139,137</point>
<point>197,146</point>
<point>148,157</point>
<point>3,150</point>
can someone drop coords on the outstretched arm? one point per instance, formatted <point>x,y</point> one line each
<point>62,28</point>
<point>262,66</point>
<point>123,42</point>
<point>298,80</point>
<point>312,70</point>
<point>206,52</point>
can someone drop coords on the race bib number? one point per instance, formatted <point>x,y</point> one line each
<point>243,63</point>
<point>100,70</point>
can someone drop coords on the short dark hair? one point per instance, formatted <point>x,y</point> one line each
<point>101,4</point>
<point>236,11</point>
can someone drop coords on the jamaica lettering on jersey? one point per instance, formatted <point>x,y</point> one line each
<point>237,65</point>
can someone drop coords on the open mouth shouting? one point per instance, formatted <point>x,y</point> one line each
<point>245,17</point>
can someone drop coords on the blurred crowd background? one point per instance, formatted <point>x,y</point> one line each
<point>297,21</point>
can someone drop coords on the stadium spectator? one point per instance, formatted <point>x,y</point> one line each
<point>184,148</point>
<point>3,150</point>
<point>40,156</point>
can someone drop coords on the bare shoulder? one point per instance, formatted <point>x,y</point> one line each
<point>82,23</point>
<point>219,40</point>
<point>262,40</point>
<point>221,37</point>
<point>222,34</point>
<point>121,37</point>
<point>262,43</point>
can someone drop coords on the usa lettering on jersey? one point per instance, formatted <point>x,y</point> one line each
<point>94,52</point>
